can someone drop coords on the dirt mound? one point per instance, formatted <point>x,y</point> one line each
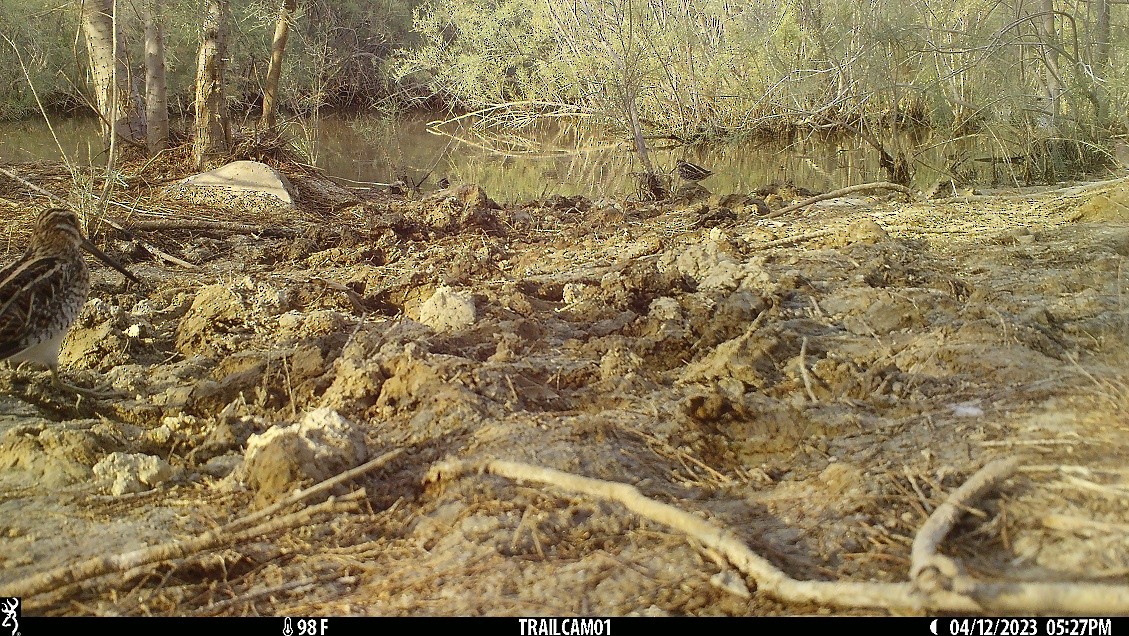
<point>817,384</point>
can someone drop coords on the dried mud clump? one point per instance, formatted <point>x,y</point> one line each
<point>320,446</point>
<point>815,383</point>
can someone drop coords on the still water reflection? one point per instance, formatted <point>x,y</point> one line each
<point>523,164</point>
<point>518,165</point>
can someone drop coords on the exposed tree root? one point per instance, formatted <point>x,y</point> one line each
<point>229,534</point>
<point>1027,598</point>
<point>109,564</point>
<point>834,194</point>
<point>931,571</point>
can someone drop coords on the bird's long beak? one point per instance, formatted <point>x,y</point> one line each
<point>102,256</point>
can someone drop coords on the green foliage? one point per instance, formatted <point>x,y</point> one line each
<point>691,69</point>
<point>477,52</point>
<point>24,23</point>
<point>336,52</point>
<point>700,69</point>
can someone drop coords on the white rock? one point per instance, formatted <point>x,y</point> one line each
<point>290,321</point>
<point>665,308</point>
<point>123,473</point>
<point>574,292</point>
<point>323,444</point>
<point>448,310</point>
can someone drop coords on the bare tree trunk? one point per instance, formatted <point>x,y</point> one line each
<point>636,128</point>
<point>108,73</point>
<point>277,49</point>
<point>156,93</point>
<point>1101,34</point>
<point>1101,59</point>
<point>213,130</point>
<point>1052,84</point>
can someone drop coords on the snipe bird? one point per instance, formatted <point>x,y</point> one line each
<point>691,171</point>
<point>42,293</point>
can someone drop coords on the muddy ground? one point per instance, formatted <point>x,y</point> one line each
<point>816,383</point>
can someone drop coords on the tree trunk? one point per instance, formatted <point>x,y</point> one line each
<point>1101,35</point>
<point>1101,61</point>
<point>213,131</point>
<point>278,47</point>
<point>156,98</point>
<point>1053,84</point>
<point>108,73</point>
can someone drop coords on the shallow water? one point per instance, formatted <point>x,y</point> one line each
<point>516,165</point>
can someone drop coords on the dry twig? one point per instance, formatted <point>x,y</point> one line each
<point>153,249</point>
<point>834,194</point>
<point>789,240</point>
<point>102,565</point>
<point>1051,598</point>
<point>229,534</point>
<point>357,301</point>
<point>197,224</point>
<point>927,568</point>
<point>804,371</point>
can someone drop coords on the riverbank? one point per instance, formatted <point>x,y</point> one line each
<point>816,383</point>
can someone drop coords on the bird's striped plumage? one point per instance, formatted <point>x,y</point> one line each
<point>692,171</point>
<point>42,293</point>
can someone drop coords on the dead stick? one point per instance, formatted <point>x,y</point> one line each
<point>195,224</point>
<point>768,577</point>
<point>804,371</point>
<point>1026,598</point>
<point>149,246</point>
<point>318,488</point>
<point>98,566</point>
<point>788,240</point>
<point>931,570</point>
<point>357,301</point>
<point>842,192</point>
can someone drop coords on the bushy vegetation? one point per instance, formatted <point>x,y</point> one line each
<point>336,54</point>
<point>703,69</point>
<point>690,70</point>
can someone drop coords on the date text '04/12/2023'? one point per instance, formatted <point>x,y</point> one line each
<point>1030,627</point>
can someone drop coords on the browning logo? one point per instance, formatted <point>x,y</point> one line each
<point>10,611</point>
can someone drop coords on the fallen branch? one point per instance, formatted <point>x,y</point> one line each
<point>196,224</point>
<point>932,571</point>
<point>102,565</point>
<point>229,534</point>
<point>834,194</point>
<point>788,240</point>
<point>1026,598</point>
<point>153,249</point>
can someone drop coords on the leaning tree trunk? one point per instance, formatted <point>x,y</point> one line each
<point>1101,60</point>
<point>112,95</point>
<point>1053,83</point>
<point>213,132</point>
<point>277,49</point>
<point>156,93</point>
